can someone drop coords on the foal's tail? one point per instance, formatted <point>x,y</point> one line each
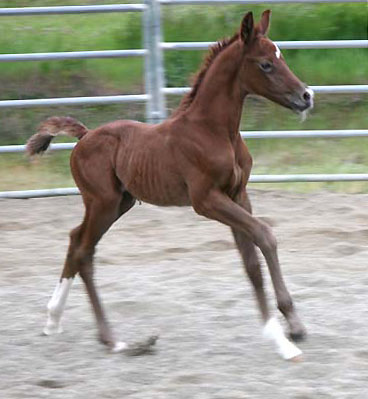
<point>52,127</point>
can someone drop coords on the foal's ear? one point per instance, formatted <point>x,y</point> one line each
<point>247,28</point>
<point>264,23</point>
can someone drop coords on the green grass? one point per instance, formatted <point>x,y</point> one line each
<point>199,23</point>
<point>73,33</point>
<point>50,171</point>
<point>19,124</point>
<point>289,22</point>
<point>271,156</point>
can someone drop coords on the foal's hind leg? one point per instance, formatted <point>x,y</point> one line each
<point>102,213</point>
<point>83,240</point>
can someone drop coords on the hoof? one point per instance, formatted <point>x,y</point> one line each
<point>290,352</point>
<point>52,329</point>
<point>296,359</point>
<point>298,336</point>
<point>273,332</point>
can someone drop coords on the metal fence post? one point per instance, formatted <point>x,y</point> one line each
<point>154,70</point>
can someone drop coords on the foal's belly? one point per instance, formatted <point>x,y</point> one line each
<point>154,179</point>
<point>159,191</point>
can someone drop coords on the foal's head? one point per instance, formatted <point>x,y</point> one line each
<point>264,70</point>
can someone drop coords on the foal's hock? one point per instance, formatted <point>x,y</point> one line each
<point>196,158</point>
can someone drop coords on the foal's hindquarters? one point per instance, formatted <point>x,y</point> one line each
<point>108,165</point>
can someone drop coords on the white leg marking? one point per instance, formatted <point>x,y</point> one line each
<point>273,331</point>
<point>119,347</point>
<point>56,306</point>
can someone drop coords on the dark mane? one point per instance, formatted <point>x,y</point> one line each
<point>214,51</point>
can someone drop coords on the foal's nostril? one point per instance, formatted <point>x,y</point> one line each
<point>306,96</point>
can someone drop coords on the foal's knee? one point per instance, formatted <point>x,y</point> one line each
<point>265,239</point>
<point>75,234</point>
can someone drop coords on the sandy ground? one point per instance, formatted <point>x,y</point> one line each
<point>171,272</point>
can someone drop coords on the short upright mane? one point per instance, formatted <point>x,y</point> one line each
<point>214,51</point>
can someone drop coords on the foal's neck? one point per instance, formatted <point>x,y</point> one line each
<point>219,100</point>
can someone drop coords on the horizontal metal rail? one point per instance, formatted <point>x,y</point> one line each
<point>52,102</point>
<point>344,89</point>
<point>71,55</point>
<point>291,134</point>
<point>54,192</point>
<point>322,44</point>
<point>71,9</point>
<point>204,2</point>
<point>261,134</point>
<point>57,192</point>
<point>312,44</point>
<point>308,178</point>
<point>8,149</point>
<point>302,44</point>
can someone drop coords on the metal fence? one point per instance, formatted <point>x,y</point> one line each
<point>154,46</point>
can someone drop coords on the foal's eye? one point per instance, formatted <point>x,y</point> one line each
<point>266,66</point>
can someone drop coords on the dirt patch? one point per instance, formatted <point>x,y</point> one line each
<point>171,273</point>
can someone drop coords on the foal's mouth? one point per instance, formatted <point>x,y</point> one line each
<point>300,101</point>
<point>303,101</point>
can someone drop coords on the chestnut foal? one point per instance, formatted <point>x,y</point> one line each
<point>196,157</point>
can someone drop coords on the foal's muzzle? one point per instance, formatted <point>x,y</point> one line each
<point>302,100</point>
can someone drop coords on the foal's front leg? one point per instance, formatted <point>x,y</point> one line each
<point>251,262</point>
<point>284,300</point>
<point>218,206</point>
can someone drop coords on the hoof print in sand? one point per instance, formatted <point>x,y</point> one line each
<point>51,384</point>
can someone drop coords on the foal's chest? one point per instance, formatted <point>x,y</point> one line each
<point>229,166</point>
<point>236,182</point>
